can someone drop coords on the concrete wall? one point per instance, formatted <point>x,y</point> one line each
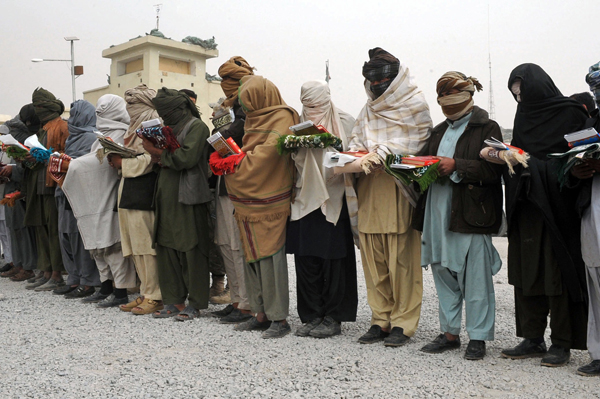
<point>166,63</point>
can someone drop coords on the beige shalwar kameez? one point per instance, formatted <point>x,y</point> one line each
<point>390,252</point>
<point>136,231</point>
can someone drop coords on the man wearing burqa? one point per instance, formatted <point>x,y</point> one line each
<point>319,233</point>
<point>544,250</point>
<point>38,187</point>
<point>182,196</point>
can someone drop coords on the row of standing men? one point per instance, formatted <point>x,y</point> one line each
<point>276,204</point>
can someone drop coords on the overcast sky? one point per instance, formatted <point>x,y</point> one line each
<point>289,41</point>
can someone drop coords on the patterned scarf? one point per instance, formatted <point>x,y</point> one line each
<point>456,105</point>
<point>381,65</point>
<point>593,79</point>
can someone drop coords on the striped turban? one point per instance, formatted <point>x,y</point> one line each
<point>455,94</point>
<point>593,79</point>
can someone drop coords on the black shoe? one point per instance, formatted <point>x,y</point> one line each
<point>36,277</point>
<point>441,344</point>
<point>111,301</point>
<point>590,370</point>
<point>6,267</point>
<point>98,296</point>
<point>223,312</point>
<point>308,327</point>
<point>475,350</point>
<point>375,334</point>
<point>277,329</point>
<point>65,289</point>
<point>396,337</point>
<point>328,328</point>
<point>235,317</point>
<point>556,356</point>
<point>253,324</point>
<point>526,349</point>
<point>80,292</point>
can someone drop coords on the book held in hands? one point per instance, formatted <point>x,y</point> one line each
<point>307,128</point>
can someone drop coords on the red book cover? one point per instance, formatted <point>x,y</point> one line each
<point>420,161</point>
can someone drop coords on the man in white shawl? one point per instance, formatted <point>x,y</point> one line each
<point>320,233</point>
<point>91,187</point>
<point>395,120</point>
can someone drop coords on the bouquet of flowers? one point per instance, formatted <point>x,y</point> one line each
<point>290,143</point>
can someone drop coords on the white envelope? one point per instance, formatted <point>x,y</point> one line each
<point>33,142</point>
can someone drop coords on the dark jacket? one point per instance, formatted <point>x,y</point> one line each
<point>477,199</point>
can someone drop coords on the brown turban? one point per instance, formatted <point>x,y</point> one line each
<point>231,72</point>
<point>456,105</point>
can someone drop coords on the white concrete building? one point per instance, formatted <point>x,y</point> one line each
<point>157,62</point>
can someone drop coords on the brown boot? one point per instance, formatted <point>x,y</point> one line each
<point>217,287</point>
<point>23,275</point>
<point>12,272</point>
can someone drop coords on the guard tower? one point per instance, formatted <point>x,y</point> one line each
<point>158,61</point>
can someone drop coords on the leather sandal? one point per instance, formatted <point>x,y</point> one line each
<point>128,306</point>
<point>147,306</point>
<point>22,275</point>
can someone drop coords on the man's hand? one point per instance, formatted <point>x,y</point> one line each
<point>6,171</point>
<point>584,170</point>
<point>152,150</point>
<point>114,160</point>
<point>446,166</point>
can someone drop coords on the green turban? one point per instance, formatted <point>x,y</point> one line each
<point>173,106</point>
<point>47,107</point>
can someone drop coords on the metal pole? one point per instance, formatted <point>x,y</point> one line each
<point>73,69</point>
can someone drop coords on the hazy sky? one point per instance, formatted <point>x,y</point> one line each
<point>289,41</point>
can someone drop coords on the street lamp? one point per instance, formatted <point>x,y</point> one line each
<point>74,73</point>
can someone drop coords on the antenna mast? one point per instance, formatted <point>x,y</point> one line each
<point>157,14</point>
<point>327,77</point>
<point>491,106</point>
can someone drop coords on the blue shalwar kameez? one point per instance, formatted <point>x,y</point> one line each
<point>462,264</point>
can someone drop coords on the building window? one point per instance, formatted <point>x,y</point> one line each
<point>130,65</point>
<point>176,66</point>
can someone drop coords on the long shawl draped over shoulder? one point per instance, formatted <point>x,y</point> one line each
<point>261,187</point>
<point>543,117</point>
<point>397,122</point>
<point>317,185</point>
<point>91,187</point>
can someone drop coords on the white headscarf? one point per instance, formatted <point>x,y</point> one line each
<point>112,119</point>
<point>317,186</point>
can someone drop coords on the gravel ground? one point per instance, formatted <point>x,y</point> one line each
<point>59,348</point>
